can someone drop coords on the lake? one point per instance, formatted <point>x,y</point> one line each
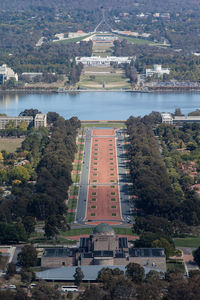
<point>99,105</point>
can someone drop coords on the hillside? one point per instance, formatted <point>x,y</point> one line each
<point>156,5</point>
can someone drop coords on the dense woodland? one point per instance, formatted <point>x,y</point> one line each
<point>162,195</point>
<point>182,67</point>
<point>23,23</point>
<point>48,164</point>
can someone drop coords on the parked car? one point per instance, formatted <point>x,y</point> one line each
<point>12,287</point>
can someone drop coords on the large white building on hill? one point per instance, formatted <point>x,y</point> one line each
<point>158,70</point>
<point>7,73</point>
<point>102,61</point>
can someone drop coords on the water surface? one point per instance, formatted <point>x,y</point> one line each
<point>99,105</point>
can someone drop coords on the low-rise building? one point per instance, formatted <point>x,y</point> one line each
<point>104,247</point>
<point>168,118</point>
<point>40,120</point>
<point>31,75</point>
<point>15,120</point>
<point>7,73</point>
<point>157,70</point>
<point>102,61</point>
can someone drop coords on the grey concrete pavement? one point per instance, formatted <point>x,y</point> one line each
<point>82,197</point>
<point>122,176</point>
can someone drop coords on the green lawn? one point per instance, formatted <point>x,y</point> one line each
<point>79,156</point>
<point>10,144</point>
<point>70,218</point>
<point>81,140</point>
<point>74,190</point>
<point>79,231</point>
<point>127,231</point>
<point>112,125</point>
<point>193,242</point>
<point>72,203</point>
<point>106,78</point>
<point>175,266</point>
<point>76,178</point>
<point>74,40</point>
<point>77,167</point>
<point>137,41</point>
<point>80,147</point>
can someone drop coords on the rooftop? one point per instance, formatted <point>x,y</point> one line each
<point>67,273</point>
<point>103,228</point>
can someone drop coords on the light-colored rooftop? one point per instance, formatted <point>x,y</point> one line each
<point>90,272</point>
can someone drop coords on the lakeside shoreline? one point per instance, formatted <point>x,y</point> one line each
<point>50,91</point>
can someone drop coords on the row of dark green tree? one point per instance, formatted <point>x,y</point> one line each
<point>51,154</point>
<point>156,197</point>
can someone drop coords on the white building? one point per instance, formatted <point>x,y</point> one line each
<point>168,118</point>
<point>16,121</point>
<point>102,61</point>
<point>7,73</point>
<point>40,120</point>
<point>157,69</point>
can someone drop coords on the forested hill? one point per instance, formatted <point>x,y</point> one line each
<point>155,5</point>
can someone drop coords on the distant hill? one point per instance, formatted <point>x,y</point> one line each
<point>83,4</point>
<point>155,5</point>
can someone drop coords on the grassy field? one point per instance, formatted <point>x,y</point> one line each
<point>137,41</point>
<point>175,266</point>
<point>9,144</point>
<point>80,231</point>
<point>109,80</point>
<point>38,237</point>
<point>75,40</point>
<point>193,242</point>
<point>112,125</point>
<point>112,80</point>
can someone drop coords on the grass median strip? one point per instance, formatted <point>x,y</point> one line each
<point>192,242</point>
<point>81,231</point>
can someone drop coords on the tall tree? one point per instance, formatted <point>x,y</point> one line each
<point>78,276</point>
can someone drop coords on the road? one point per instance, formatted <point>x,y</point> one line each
<point>82,197</point>
<point>123,184</point>
<point>190,264</point>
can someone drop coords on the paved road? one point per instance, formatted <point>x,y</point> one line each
<point>123,187</point>
<point>82,198</point>
<point>189,262</point>
<point>124,193</point>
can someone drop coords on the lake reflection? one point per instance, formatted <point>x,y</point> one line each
<point>99,105</point>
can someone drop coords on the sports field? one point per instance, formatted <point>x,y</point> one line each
<point>103,199</point>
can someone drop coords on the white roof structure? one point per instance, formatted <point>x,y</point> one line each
<point>167,118</point>
<point>98,60</point>
<point>157,69</point>
<point>8,73</point>
<point>90,272</point>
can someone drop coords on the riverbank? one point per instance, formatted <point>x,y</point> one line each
<point>72,91</point>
